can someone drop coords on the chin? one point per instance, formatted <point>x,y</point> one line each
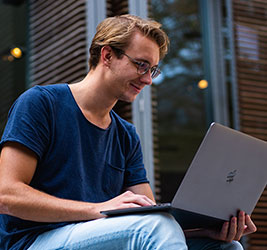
<point>128,99</point>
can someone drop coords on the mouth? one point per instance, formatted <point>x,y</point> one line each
<point>136,87</point>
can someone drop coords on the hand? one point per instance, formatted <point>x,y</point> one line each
<point>234,229</point>
<point>126,200</point>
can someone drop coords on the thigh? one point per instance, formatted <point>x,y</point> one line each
<point>209,244</point>
<point>156,231</point>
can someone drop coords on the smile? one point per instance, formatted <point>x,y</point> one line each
<point>136,88</point>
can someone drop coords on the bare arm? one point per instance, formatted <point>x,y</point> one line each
<point>17,198</point>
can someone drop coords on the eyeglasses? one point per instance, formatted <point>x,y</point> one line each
<point>144,67</point>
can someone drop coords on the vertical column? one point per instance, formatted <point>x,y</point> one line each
<point>233,76</point>
<point>142,106</point>
<point>214,61</point>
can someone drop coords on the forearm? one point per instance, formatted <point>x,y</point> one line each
<point>30,204</point>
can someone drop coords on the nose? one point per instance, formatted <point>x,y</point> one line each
<point>146,78</point>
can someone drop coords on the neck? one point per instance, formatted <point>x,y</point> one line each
<point>93,98</point>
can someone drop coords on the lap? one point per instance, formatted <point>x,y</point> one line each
<point>155,231</point>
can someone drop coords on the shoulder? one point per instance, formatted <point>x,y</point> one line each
<point>35,101</point>
<point>41,95</point>
<point>46,90</point>
<point>52,90</point>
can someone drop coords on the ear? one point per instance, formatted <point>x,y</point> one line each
<point>106,55</point>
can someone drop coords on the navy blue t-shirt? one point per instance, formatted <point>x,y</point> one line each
<point>76,159</point>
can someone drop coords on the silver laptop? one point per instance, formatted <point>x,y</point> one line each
<point>227,174</point>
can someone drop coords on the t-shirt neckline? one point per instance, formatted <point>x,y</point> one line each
<point>81,113</point>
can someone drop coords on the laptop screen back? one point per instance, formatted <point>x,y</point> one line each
<point>227,174</point>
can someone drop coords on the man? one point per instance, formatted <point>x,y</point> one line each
<point>66,156</point>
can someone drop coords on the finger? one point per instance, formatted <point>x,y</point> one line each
<point>240,225</point>
<point>128,205</point>
<point>251,227</point>
<point>232,229</point>
<point>224,231</point>
<point>142,200</point>
<point>151,202</point>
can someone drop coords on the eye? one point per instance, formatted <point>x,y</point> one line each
<point>143,66</point>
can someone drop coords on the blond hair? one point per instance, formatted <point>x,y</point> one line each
<point>117,31</point>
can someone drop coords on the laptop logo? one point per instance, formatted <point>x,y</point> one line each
<point>230,176</point>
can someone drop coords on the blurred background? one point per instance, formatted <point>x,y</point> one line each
<point>216,70</point>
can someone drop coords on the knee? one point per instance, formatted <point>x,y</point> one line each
<point>161,230</point>
<point>234,245</point>
<point>162,222</point>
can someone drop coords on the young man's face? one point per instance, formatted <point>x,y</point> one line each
<point>128,83</point>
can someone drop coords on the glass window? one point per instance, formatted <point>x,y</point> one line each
<point>12,55</point>
<point>181,95</point>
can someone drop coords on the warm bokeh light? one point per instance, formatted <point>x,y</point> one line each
<point>10,58</point>
<point>202,84</point>
<point>16,52</point>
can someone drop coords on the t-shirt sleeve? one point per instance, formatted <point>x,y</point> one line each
<point>28,121</point>
<point>135,172</point>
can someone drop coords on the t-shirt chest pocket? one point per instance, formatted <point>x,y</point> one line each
<point>114,178</point>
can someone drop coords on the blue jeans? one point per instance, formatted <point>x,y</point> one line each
<point>154,231</point>
<point>208,244</point>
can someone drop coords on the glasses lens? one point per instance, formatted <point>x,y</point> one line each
<point>154,72</point>
<point>143,67</point>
